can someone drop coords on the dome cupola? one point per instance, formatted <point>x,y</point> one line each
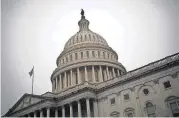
<point>83,23</point>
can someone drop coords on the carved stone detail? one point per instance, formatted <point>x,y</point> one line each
<point>156,81</point>
<point>174,75</point>
<point>132,89</point>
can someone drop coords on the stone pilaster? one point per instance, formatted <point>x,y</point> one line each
<point>56,80</point>
<point>65,80</point>
<point>100,74</point>
<point>71,77</point>
<point>93,75</point>
<point>78,75</point>
<point>108,77</point>
<point>60,80</point>
<point>86,74</point>
<point>113,72</point>
<point>118,74</point>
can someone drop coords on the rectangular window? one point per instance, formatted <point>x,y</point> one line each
<point>126,97</point>
<point>112,101</point>
<point>167,84</point>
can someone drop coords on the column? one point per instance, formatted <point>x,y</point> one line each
<point>71,77</point>
<point>65,80</point>
<point>118,72</point>
<point>41,113</point>
<point>86,74</point>
<point>60,80</point>
<point>48,112</point>
<point>69,80</point>
<point>56,112</point>
<point>35,114</point>
<point>100,74</point>
<point>78,75</point>
<point>95,106</point>
<point>79,108</point>
<point>56,83</point>
<point>93,75</point>
<point>71,110</point>
<point>53,85</point>
<point>63,111</point>
<point>88,108</point>
<point>107,73</point>
<point>114,75</point>
<point>28,115</point>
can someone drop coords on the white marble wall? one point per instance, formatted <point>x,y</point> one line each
<point>157,95</point>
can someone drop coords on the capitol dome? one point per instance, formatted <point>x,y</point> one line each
<point>85,36</point>
<point>86,58</point>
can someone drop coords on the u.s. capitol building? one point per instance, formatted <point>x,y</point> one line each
<point>90,82</point>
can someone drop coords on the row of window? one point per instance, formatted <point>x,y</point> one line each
<point>145,92</point>
<point>172,102</point>
<point>80,38</point>
<point>88,54</point>
<point>130,112</point>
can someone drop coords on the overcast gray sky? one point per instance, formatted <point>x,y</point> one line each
<point>34,32</point>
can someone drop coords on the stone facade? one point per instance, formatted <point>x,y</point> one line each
<point>89,81</point>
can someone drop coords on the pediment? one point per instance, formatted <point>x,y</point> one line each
<point>25,101</point>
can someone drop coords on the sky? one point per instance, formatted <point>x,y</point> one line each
<point>34,32</point>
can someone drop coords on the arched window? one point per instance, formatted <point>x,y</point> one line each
<point>115,114</point>
<point>66,59</point>
<point>81,55</point>
<point>104,54</point>
<point>150,108</point>
<point>85,37</point>
<point>89,36</point>
<point>87,54</point>
<point>129,112</point>
<point>98,53</point>
<point>76,77</point>
<point>76,56</point>
<point>70,57</point>
<point>93,54</point>
<point>173,103</point>
<point>93,37</point>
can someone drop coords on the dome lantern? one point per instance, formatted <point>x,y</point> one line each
<point>83,23</point>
